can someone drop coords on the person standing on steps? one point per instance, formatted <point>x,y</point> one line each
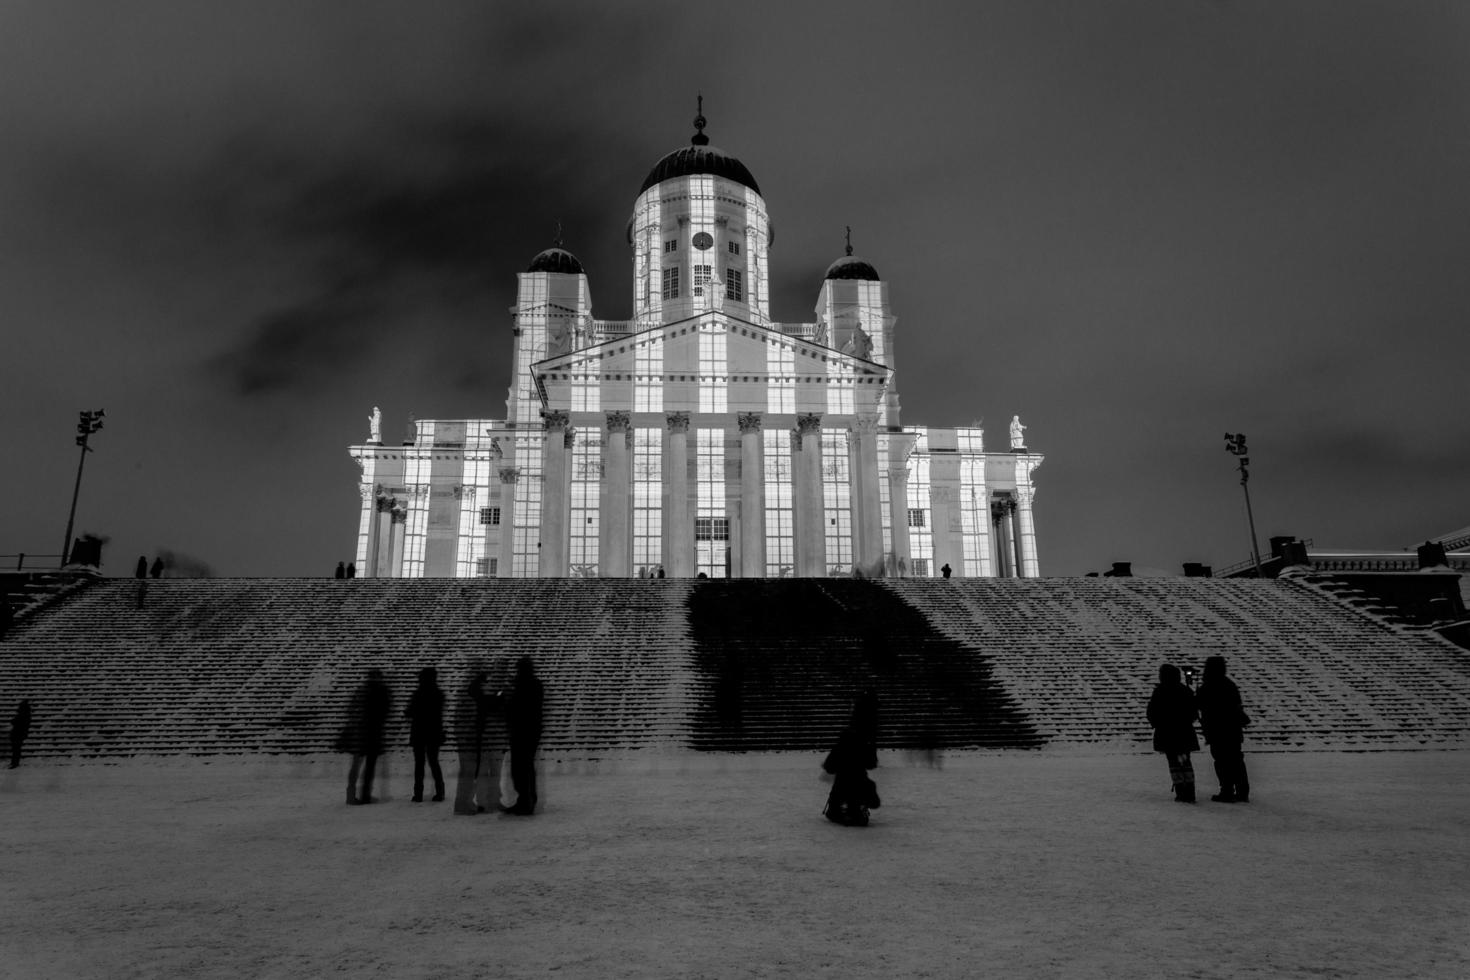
<point>1171,712</point>
<point>363,734</point>
<point>425,714</point>
<point>1223,719</point>
<point>523,709</point>
<point>157,570</point>
<point>341,570</point>
<point>20,727</point>
<point>352,569</point>
<point>945,570</point>
<point>142,569</point>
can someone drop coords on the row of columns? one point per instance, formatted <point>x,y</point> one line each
<point>749,543</point>
<point>1015,535</point>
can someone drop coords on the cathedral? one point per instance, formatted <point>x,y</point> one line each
<point>701,437</point>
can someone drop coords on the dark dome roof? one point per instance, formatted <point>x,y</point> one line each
<point>699,160</point>
<point>851,267</point>
<point>556,260</point>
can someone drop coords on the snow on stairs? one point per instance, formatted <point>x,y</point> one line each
<point>1081,655</point>
<point>234,666</point>
<point>781,661</point>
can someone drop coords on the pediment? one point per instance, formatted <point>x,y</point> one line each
<point>747,354</point>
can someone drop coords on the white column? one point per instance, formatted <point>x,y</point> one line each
<point>1030,565</point>
<point>615,544</point>
<point>867,505</point>
<point>380,547</point>
<point>678,547</point>
<point>398,531</point>
<point>506,566</point>
<point>555,497</point>
<point>811,533</point>
<point>752,496</point>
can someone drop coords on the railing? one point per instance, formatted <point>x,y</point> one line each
<point>46,562</point>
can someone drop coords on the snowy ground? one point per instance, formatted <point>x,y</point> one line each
<point>1001,864</point>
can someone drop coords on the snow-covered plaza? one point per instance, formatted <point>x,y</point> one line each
<point>994,864</point>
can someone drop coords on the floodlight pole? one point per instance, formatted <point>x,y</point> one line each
<point>1235,445</point>
<point>88,423</point>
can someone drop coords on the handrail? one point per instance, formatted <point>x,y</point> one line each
<point>20,560</point>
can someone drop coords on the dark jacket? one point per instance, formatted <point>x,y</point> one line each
<point>523,710</point>
<point>425,714</point>
<point>1171,712</point>
<point>1220,712</point>
<point>20,724</point>
<point>366,717</point>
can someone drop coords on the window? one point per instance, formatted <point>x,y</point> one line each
<point>921,568</point>
<point>489,515</point>
<point>670,246</point>
<point>916,517</point>
<point>487,567</point>
<point>701,279</point>
<point>734,248</point>
<point>671,283</point>
<point>711,529</point>
<point>734,288</point>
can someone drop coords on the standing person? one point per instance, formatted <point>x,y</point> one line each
<point>20,727</point>
<point>473,793</point>
<point>352,569</point>
<point>363,734</point>
<point>1171,712</point>
<point>523,723</point>
<point>425,714</point>
<point>853,793</point>
<point>157,568</point>
<point>142,570</point>
<point>945,570</point>
<point>341,570</point>
<point>1223,719</point>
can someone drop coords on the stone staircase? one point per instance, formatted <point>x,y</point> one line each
<point>124,667</point>
<point>1081,655</point>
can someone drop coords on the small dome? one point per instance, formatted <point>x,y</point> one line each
<point>699,160</point>
<point>851,267</point>
<point>556,260</point>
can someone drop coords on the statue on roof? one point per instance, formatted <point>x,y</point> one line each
<point>375,425</point>
<point>1018,440</point>
<point>860,345</point>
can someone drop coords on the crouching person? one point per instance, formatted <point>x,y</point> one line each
<point>853,792</point>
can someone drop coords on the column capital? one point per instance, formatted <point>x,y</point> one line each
<point>554,419</point>
<point>748,421</point>
<point>508,475</point>
<point>865,426</point>
<point>400,515</point>
<point>386,503</point>
<point>808,423</point>
<point>618,421</point>
<point>676,421</point>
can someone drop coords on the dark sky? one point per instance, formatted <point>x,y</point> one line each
<point>237,227</point>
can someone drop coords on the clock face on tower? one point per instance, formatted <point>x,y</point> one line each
<point>703,241</point>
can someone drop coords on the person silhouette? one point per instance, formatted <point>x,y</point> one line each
<point>20,727</point>
<point>341,570</point>
<point>157,569</point>
<point>1223,720</point>
<point>425,714</point>
<point>142,569</point>
<point>363,735</point>
<point>523,723</point>
<point>1171,713</point>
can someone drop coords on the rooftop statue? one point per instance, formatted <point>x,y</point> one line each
<point>1018,441</point>
<point>375,425</point>
<point>861,345</point>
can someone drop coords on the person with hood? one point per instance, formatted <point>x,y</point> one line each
<point>20,727</point>
<point>523,724</point>
<point>853,792</point>
<point>425,714</point>
<point>1223,719</point>
<point>1171,712</point>
<point>363,734</point>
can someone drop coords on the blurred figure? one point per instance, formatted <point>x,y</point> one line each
<point>1223,719</point>
<point>1171,712</point>
<point>473,790</point>
<point>853,793</point>
<point>20,727</point>
<point>352,569</point>
<point>864,725</point>
<point>523,724</point>
<point>341,570</point>
<point>142,570</point>
<point>157,568</point>
<point>425,714</point>
<point>363,734</point>
<point>945,570</point>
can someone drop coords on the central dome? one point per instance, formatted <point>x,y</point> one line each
<point>699,160</point>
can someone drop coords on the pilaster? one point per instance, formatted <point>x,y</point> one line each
<point>615,545</point>
<point>555,496</point>
<point>508,478</point>
<point>811,537</point>
<point>752,496</point>
<point>678,553</point>
<point>867,517</point>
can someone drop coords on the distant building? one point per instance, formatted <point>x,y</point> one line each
<point>701,436</point>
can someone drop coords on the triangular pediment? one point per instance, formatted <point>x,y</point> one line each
<point>673,351</point>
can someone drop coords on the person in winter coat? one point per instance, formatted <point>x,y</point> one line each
<point>1171,712</point>
<point>523,723</point>
<point>363,734</point>
<point>1223,719</point>
<point>20,727</point>
<point>425,714</point>
<point>853,793</point>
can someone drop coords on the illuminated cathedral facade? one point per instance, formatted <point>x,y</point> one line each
<point>700,437</point>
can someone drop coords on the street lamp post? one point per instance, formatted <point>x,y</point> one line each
<point>87,423</point>
<point>1235,445</point>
